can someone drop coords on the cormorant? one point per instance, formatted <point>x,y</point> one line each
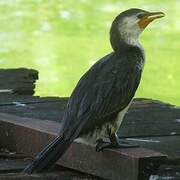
<point>104,93</point>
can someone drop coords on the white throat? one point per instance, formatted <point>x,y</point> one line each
<point>131,40</point>
<point>130,31</point>
<point>131,36</point>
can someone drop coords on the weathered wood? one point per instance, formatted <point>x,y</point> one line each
<point>111,164</point>
<point>145,117</point>
<point>16,130</point>
<point>21,81</point>
<point>11,165</point>
<point>165,144</point>
<point>166,172</point>
<point>9,155</point>
<point>53,175</point>
<point>148,117</point>
<point>51,108</point>
<point>149,123</point>
<point>8,99</point>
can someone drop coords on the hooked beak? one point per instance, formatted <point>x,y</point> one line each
<point>149,17</point>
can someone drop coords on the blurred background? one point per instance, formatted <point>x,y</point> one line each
<point>62,39</point>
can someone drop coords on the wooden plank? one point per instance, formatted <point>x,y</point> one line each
<point>29,100</point>
<point>165,144</point>
<point>53,175</point>
<point>41,108</point>
<point>21,81</point>
<point>18,73</point>
<point>166,172</point>
<point>6,154</point>
<point>148,117</point>
<point>110,164</point>
<point>145,117</point>
<point>11,165</point>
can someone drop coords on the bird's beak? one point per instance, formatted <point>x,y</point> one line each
<point>149,17</point>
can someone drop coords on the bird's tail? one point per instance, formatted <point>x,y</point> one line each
<point>49,155</point>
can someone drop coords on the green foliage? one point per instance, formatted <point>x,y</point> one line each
<point>62,39</point>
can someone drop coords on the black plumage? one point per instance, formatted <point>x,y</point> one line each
<point>104,91</point>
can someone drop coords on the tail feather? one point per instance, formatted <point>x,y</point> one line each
<point>49,155</point>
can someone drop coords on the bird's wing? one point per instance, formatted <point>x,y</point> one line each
<point>103,91</point>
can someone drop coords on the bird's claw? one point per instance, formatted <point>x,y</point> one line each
<point>117,143</point>
<point>102,144</point>
<point>113,142</point>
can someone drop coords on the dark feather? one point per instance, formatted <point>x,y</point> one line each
<point>103,91</point>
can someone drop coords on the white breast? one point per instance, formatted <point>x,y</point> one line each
<point>120,116</point>
<point>90,139</point>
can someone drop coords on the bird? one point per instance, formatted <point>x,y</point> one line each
<point>103,94</point>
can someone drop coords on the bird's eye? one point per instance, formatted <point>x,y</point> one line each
<point>140,15</point>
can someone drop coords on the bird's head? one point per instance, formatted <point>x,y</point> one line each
<point>129,24</point>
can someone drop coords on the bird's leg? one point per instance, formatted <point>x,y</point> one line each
<point>102,144</point>
<point>117,143</point>
<point>113,142</point>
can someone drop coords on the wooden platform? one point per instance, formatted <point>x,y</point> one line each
<point>29,122</point>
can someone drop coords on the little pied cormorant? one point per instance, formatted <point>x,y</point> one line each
<point>102,96</point>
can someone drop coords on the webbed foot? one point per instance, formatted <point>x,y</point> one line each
<point>102,144</point>
<point>113,142</point>
<point>117,143</point>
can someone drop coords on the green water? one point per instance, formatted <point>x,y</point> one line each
<point>62,39</point>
